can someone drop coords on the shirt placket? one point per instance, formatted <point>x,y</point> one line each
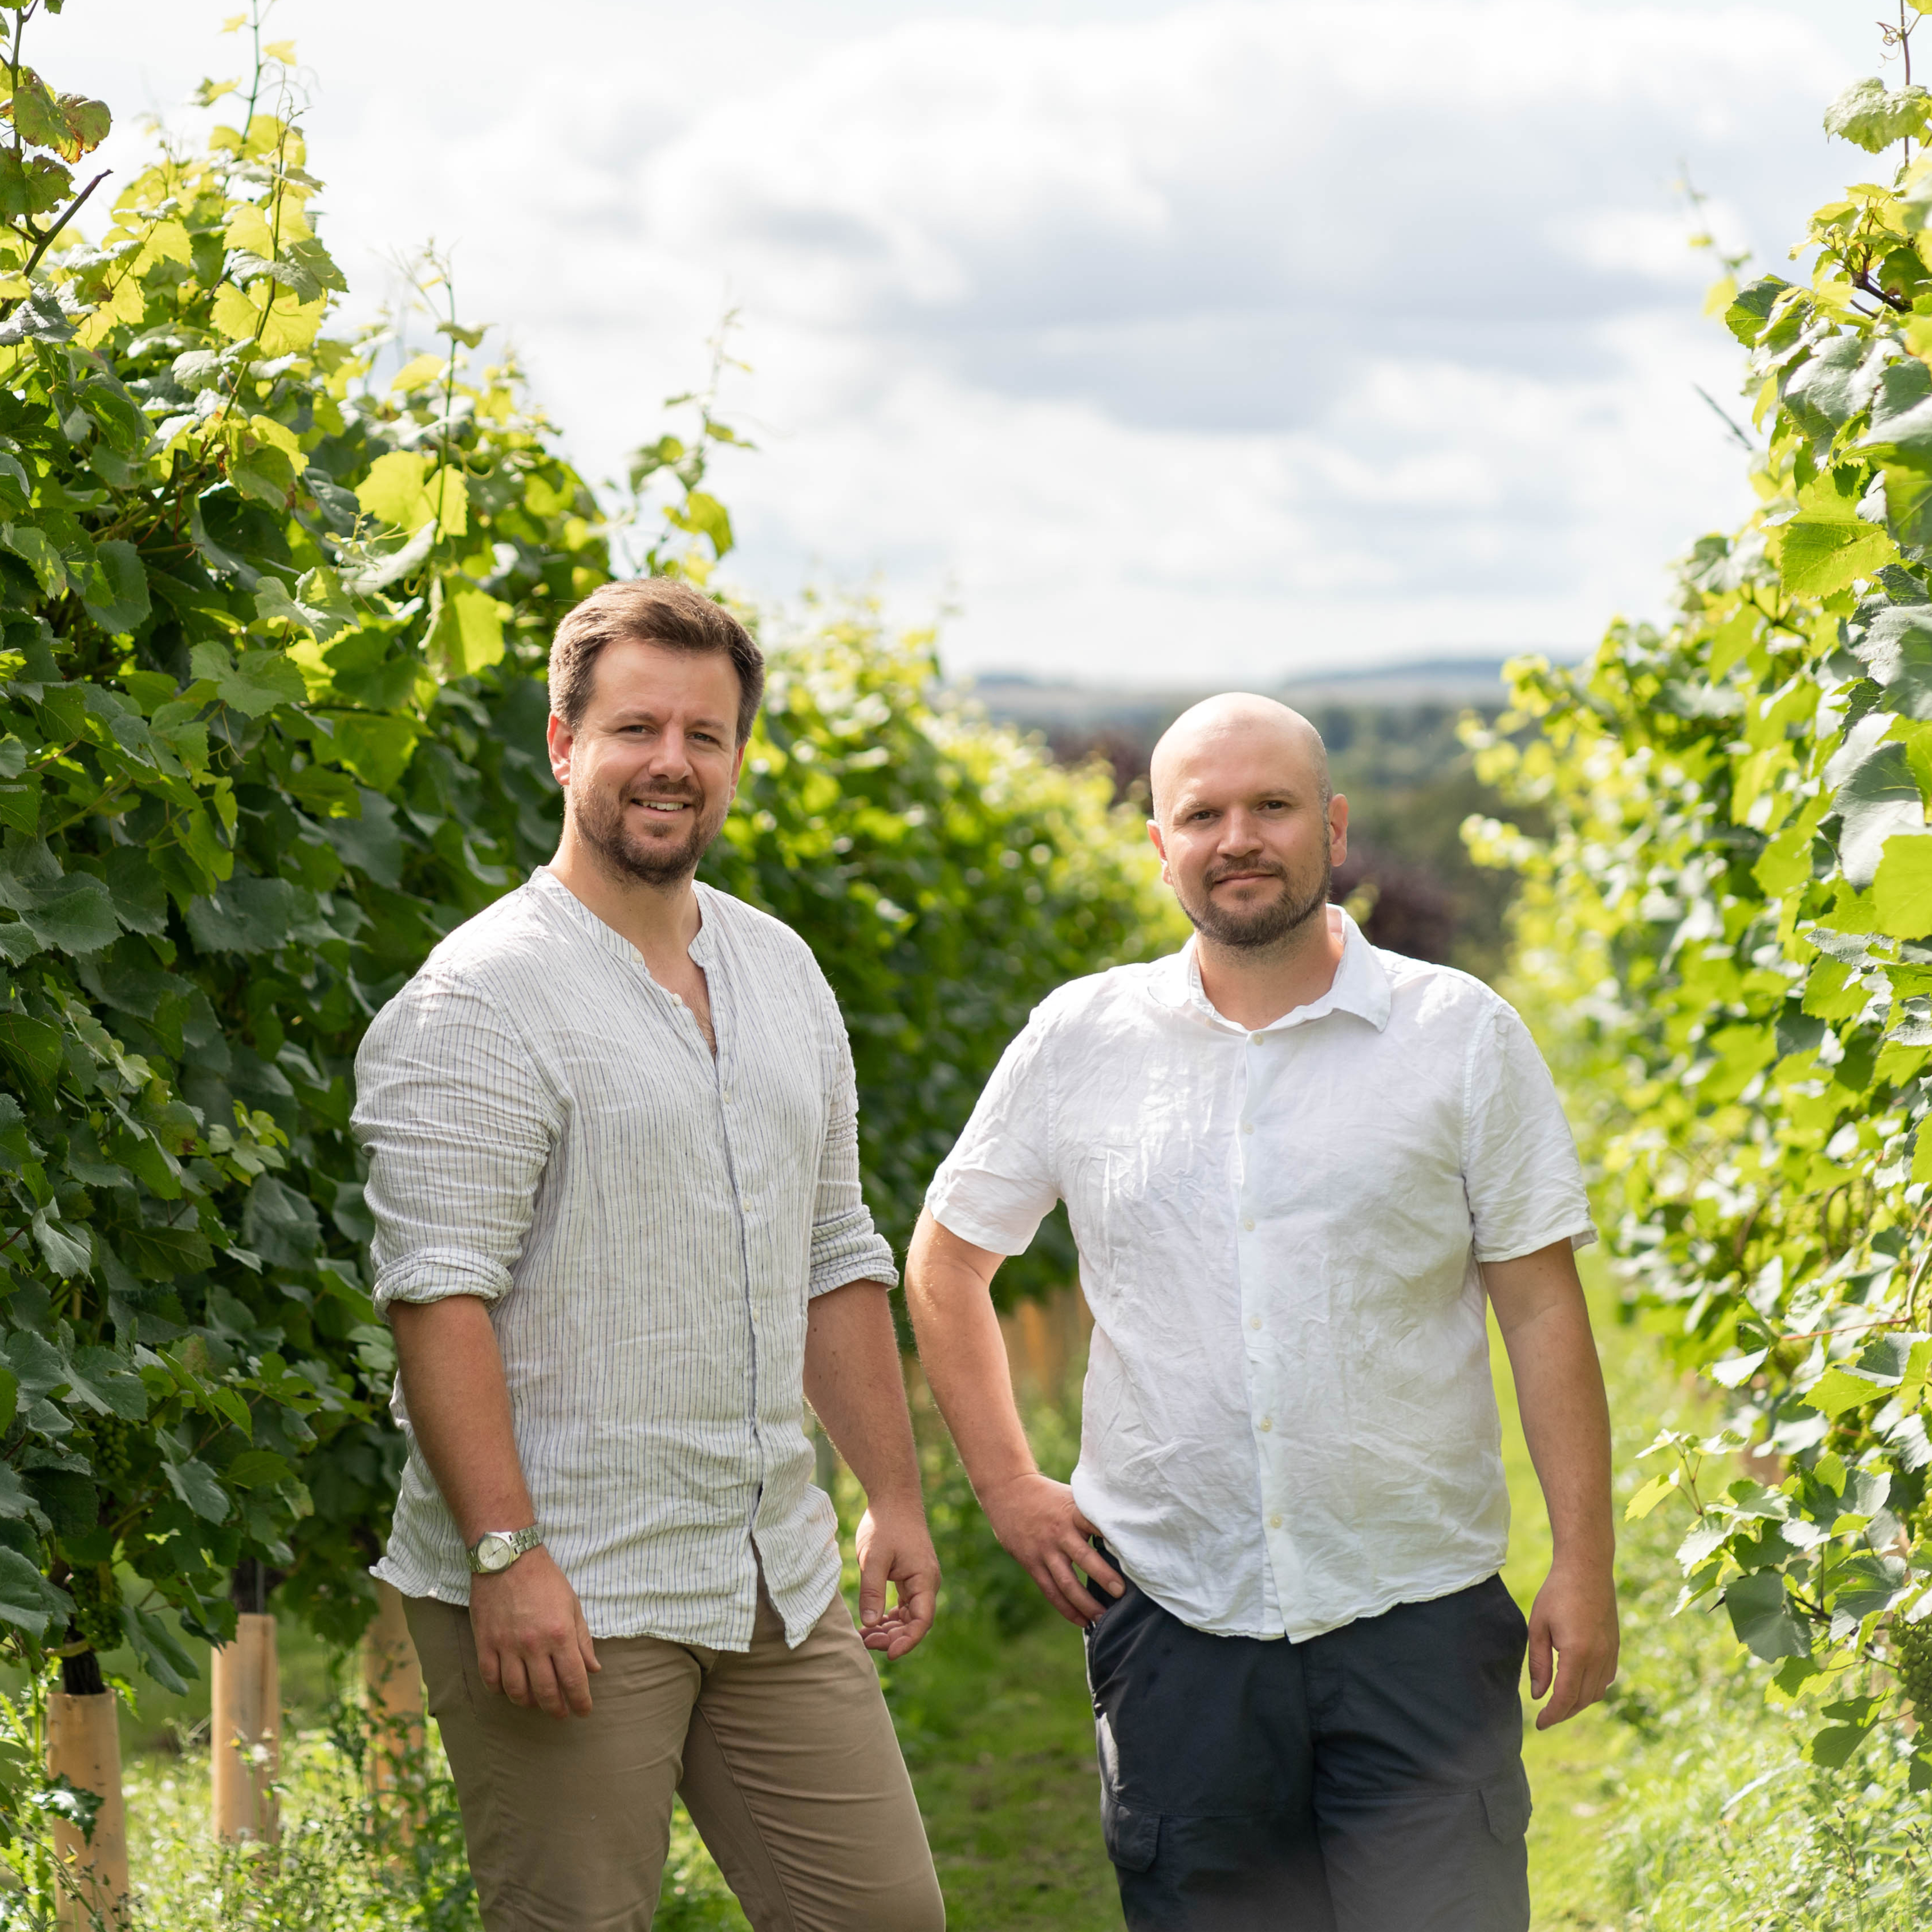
<point>1261,1065</point>
<point>709,961</point>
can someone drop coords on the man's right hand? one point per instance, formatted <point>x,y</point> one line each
<point>1040,1526</point>
<point>532,1642</point>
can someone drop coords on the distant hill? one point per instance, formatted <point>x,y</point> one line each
<point>1054,706</point>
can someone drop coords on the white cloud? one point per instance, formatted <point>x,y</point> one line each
<point>1256,333</point>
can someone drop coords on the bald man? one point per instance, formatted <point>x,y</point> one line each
<point>1295,1165</point>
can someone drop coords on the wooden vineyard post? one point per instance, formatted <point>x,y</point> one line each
<point>392,1680</point>
<point>84,1747</point>
<point>245,1732</point>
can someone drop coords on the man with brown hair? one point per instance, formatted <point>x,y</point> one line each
<point>614,1168</point>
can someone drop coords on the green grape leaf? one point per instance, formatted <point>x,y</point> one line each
<point>279,1225</point>
<point>258,1468</point>
<point>161,1254</point>
<point>161,1653</point>
<point>117,591</point>
<point>260,681</point>
<point>704,516</point>
<point>1876,794</point>
<point>16,1504</point>
<point>1873,117</point>
<point>32,547</point>
<point>1818,558</point>
<point>28,1600</point>
<point>248,914</point>
<point>30,184</point>
<point>198,1486</point>
<point>1762,1616</point>
<point>75,916</point>
<point>1897,649</point>
<point>1748,315</point>
<point>33,1049</point>
<point>1825,391</point>
<point>1902,887</point>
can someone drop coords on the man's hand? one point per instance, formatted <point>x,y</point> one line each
<point>1040,1526</point>
<point>1575,1614</point>
<point>895,1547</point>
<point>532,1642</point>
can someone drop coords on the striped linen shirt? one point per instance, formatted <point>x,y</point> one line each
<point>547,1129</point>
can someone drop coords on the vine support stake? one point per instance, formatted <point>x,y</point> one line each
<point>84,1747</point>
<point>245,1732</point>
<point>393,1682</point>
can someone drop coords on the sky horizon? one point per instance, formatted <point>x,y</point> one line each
<point>1246,337</point>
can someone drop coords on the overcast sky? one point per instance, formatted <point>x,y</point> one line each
<point>1153,340</point>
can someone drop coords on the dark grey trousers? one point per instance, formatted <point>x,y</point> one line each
<point>1370,1779</point>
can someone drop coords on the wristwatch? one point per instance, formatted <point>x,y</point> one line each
<point>496,1549</point>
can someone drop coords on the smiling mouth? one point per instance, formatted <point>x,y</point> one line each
<point>663,804</point>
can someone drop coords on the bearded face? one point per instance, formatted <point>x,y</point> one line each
<point>1255,902</point>
<point>649,768</point>
<point>654,830</point>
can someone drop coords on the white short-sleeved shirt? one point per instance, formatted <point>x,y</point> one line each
<point>1288,1422</point>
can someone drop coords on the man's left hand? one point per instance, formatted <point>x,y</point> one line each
<point>895,1547</point>
<point>1575,1614</point>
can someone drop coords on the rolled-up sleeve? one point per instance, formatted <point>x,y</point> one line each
<point>457,1122</point>
<point>845,1245</point>
<point>1524,1181</point>
<point>999,1182</point>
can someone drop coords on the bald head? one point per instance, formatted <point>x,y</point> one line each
<point>1237,724</point>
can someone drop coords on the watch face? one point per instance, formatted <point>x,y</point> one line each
<point>494,1552</point>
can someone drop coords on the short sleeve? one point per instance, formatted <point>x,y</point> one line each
<point>999,1182</point>
<point>458,1124</point>
<point>1524,1181</point>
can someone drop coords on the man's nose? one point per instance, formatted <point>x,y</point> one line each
<point>670,756</point>
<point>1241,831</point>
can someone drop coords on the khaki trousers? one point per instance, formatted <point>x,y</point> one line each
<point>785,1759</point>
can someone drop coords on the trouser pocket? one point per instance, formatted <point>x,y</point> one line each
<point>1132,1836</point>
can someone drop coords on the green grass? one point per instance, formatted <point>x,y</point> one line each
<point>999,1737</point>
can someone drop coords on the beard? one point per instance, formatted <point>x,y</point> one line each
<point>653,862</point>
<point>1252,929</point>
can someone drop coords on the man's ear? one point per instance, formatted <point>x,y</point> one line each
<point>562,741</point>
<point>1338,830</point>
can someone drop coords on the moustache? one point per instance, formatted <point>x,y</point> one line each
<point>1270,872</point>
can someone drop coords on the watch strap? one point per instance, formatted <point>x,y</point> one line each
<point>521,1542</point>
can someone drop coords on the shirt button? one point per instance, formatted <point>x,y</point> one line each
<point>1274,1522</point>
<point>1257,1038</point>
<point>1254,1320</point>
<point>1247,1127</point>
<point>727,1096</point>
<point>1249,1225</point>
<point>1267,1423</point>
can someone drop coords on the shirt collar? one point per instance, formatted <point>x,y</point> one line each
<point>554,893</point>
<point>1361,985</point>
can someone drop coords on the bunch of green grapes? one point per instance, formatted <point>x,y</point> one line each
<point>96,1591</point>
<point>1912,1653</point>
<point>107,1449</point>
